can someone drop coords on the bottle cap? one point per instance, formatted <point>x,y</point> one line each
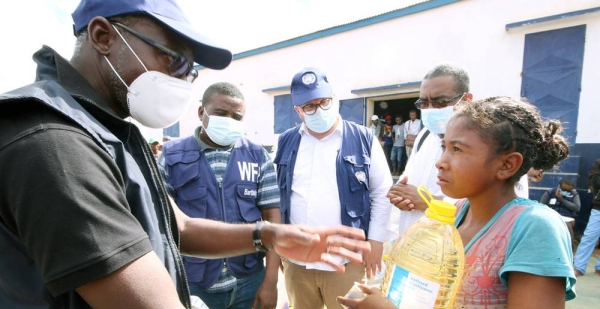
<point>437,210</point>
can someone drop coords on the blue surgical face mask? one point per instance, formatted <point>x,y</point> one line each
<point>322,120</point>
<point>223,131</point>
<point>565,193</point>
<point>436,119</point>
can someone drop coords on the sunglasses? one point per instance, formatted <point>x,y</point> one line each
<point>179,65</point>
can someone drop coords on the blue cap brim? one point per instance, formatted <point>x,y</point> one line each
<point>206,53</point>
<point>321,92</point>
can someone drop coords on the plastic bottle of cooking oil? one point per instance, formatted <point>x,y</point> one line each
<point>425,266</point>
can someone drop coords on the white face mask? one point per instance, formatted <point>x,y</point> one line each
<point>322,120</point>
<point>223,131</point>
<point>155,99</point>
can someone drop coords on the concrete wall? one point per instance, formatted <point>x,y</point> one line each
<point>471,33</point>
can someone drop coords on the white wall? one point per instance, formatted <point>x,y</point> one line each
<point>471,33</point>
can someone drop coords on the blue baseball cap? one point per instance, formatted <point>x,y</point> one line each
<point>168,13</point>
<point>310,84</point>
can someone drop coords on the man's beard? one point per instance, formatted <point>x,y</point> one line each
<point>117,87</point>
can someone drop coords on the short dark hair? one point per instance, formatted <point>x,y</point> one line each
<point>460,75</point>
<point>223,88</point>
<point>567,181</point>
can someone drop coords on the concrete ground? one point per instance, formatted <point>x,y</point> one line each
<point>587,287</point>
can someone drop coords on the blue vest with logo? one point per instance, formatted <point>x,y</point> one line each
<point>561,209</point>
<point>352,167</point>
<point>199,195</point>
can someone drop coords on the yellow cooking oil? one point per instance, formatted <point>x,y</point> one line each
<point>425,266</point>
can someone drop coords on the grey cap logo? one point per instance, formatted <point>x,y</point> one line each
<point>309,78</point>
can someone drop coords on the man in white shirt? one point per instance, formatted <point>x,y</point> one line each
<point>411,128</point>
<point>331,172</point>
<point>375,126</point>
<point>442,88</point>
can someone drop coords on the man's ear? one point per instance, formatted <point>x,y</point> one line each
<point>101,35</point>
<point>299,112</point>
<point>511,163</point>
<point>468,97</point>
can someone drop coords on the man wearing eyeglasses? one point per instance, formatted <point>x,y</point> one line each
<point>443,87</point>
<point>85,221</point>
<point>331,172</point>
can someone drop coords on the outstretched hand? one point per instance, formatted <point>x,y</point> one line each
<point>318,244</point>
<point>374,299</point>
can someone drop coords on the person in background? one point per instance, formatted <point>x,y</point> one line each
<point>398,147</point>
<point>85,221</point>
<point>166,138</point>
<point>411,129</point>
<point>517,254</point>
<point>589,240</point>
<point>233,180</point>
<point>376,126</point>
<point>387,140</point>
<point>155,147</point>
<point>330,172</point>
<point>565,201</point>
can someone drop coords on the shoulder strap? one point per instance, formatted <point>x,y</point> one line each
<point>422,139</point>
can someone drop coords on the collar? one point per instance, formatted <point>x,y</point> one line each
<point>52,66</point>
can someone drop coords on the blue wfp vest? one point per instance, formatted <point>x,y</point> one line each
<point>352,166</point>
<point>561,209</point>
<point>200,196</point>
<point>22,285</point>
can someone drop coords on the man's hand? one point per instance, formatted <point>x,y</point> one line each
<point>373,259</point>
<point>316,244</point>
<point>373,299</point>
<point>558,194</point>
<point>266,296</point>
<point>405,196</point>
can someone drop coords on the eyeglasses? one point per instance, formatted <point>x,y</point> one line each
<point>311,109</point>
<point>439,103</point>
<point>179,65</point>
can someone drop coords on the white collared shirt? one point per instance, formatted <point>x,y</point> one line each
<point>315,199</point>
<point>412,127</point>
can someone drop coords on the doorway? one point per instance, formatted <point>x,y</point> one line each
<point>395,107</point>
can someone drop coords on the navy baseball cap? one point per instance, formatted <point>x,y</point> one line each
<point>310,84</point>
<point>168,13</point>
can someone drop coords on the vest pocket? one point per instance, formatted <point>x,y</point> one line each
<point>193,200</point>
<point>246,200</point>
<point>194,268</point>
<point>183,168</point>
<point>359,172</point>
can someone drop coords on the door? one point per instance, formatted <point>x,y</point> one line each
<point>551,77</point>
<point>285,115</point>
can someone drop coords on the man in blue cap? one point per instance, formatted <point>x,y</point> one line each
<point>85,220</point>
<point>331,172</point>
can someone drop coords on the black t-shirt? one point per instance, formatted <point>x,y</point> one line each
<point>63,197</point>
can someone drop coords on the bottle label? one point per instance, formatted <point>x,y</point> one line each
<point>409,290</point>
